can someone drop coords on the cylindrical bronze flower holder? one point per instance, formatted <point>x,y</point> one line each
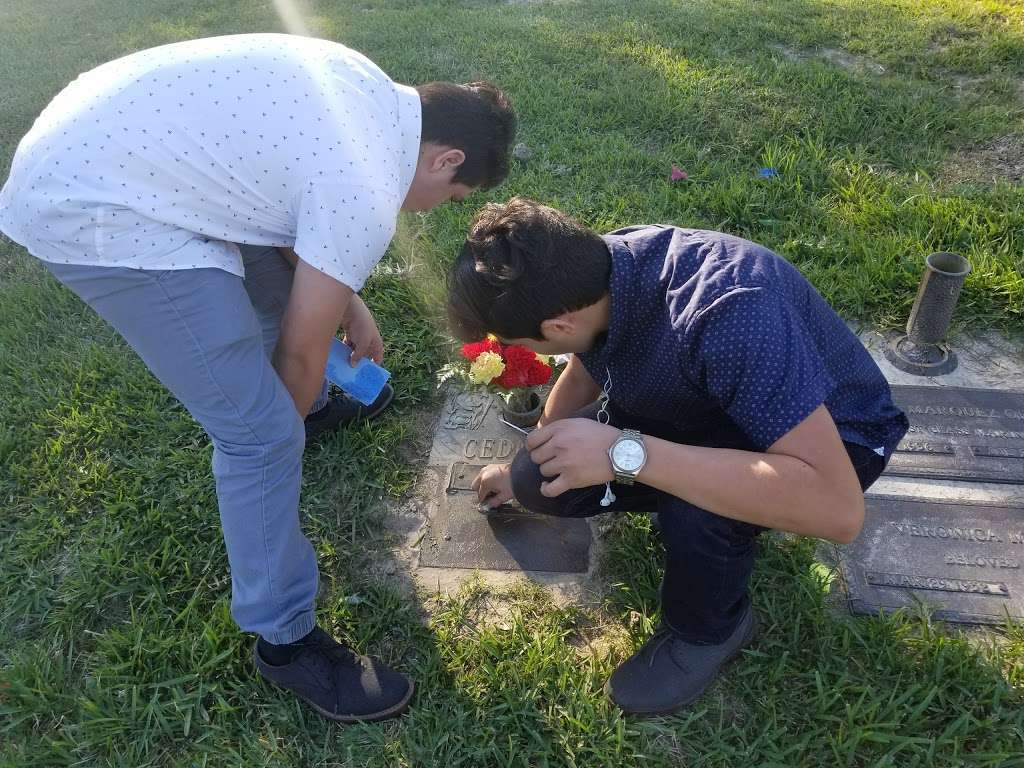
<point>922,350</point>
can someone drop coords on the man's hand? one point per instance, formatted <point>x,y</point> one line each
<point>574,452</point>
<point>361,332</point>
<point>493,485</point>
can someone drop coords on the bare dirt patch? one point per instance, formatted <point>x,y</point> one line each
<point>997,160</point>
<point>851,62</point>
<point>599,640</point>
<point>789,53</point>
<point>966,86</point>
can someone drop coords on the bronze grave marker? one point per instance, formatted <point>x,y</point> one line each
<point>963,558</point>
<point>470,435</point>
<point>961,434</point>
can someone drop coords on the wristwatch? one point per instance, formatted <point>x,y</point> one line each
<point>628,455</point>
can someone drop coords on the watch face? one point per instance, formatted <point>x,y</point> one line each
<point>628,455</point>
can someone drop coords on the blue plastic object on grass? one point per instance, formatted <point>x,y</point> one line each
<point>363,381</point>
<point>768,173</point>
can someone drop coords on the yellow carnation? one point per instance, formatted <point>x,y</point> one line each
<point>487,367</point>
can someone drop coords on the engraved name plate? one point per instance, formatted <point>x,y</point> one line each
<point>964,559</point>
<point>961,434</point>
<point>469,436</point>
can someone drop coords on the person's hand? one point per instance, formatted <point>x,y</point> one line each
<point>574,452</point>
<point>493,485</point>
<point>361,332</point>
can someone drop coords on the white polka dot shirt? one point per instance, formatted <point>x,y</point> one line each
<point>167,158</point>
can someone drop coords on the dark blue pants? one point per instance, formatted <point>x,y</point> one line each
<point>708,558</point>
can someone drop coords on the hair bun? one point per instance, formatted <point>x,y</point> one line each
<point>501,261</point>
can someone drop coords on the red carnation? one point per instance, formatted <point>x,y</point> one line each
<point>540,373</point>
<point>522,369</point>
<point>474,349</point>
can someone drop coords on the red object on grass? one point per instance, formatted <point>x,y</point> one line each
<point>678,174</point>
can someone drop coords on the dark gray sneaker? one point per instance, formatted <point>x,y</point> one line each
<point>668,673</point>
<point>342,409</point>
<point>338,683</point>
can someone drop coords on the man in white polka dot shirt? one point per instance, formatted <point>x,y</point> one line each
<point>220,202</point>
<point>708,381</point>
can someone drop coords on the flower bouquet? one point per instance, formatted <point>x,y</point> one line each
<point>511,371</point>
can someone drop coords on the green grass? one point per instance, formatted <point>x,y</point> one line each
<point>116,646</point>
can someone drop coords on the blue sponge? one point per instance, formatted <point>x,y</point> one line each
<point>363,381</point>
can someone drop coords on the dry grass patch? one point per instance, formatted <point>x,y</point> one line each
<point>1000,159</point>
<point>851,62</point>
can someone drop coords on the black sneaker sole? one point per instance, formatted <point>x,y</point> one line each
<point>747,639</point>
<point>372,717</point>
<point>386,714</point>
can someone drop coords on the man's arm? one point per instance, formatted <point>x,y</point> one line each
<point>358,321</point>
<point>804,483</point>
<point>315,308</point>
<point>573,390</point>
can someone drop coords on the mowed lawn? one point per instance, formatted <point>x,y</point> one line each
<point>896,127</point>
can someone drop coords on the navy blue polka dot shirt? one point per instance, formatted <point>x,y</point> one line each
<point>709,331</point>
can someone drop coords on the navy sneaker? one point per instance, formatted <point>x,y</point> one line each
<point>337,682</point>
<point>342,409</point>
<point>668,673</point>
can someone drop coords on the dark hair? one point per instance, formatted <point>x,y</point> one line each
<point>476,118</point>
<point>523,263</point>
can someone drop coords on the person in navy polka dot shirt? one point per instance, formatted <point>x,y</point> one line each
<point>708,381</point>
<point>220,202</point>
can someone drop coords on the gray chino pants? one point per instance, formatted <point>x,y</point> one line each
<point>208,336</point>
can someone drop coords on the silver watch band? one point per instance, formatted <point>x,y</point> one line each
<point>627,478</point>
